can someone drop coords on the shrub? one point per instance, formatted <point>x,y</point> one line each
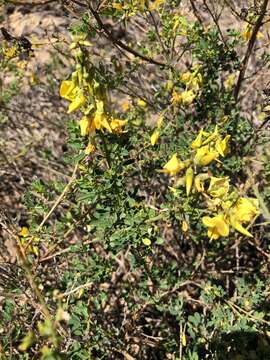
<point>156,247</point>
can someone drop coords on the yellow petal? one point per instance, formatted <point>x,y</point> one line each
<point>66,88</point>
<point>204,156</point>
<point>77,103</point>
<point>89,149</point>
<point>217,226</point>
<point>184,226</point>
<point>240,228</point>
<point>85,125</point>
<point>188,96</point>
<point>141,103</point>
<point>156,4</point>
<point>229,82</point>
<point>117,6</point>
<point>185,77</point>
<point>184,340</point>
<point>176,98</point>
<point>102,122</point>
<point>117,125</point>
<point>222,145</point>
<point>189,180</point>
<point>212,233</point>
<point>222,227</point>
<point>198,141</point>
<point>100,118</point>
<point>218,187</point>
<point>24,231</point>
<point>247,32</point>
<point>245,209</point>
<point>199,182</point>
<point>154,137</point>
<point>208,221</point>
<point>173,166</point>
<point>146,241</point>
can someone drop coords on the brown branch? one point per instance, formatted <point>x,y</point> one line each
<point>266,120</point>
<point>250,47</point>
<point>32,3</point>
<point>196,12</point>
<point>157,32</point>
<point>119,43</point>
<point>216,21</point>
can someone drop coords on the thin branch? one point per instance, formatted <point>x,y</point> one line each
<point>157,32</point>
<point>60,198</point>
<point>216,21</point>
<point>32,3</point>
<point>119,43</point>
<point>267,119</point>
<point>196,12</point>
<point>250,47</point>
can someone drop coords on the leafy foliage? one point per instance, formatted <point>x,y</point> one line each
<point>132,257</point>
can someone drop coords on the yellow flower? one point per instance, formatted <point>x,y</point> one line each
<point>156,4</point>
<point>184,226</point>
<point>117,125</point>
<point>146,241</point>
<point>154,137</point>
<point>247,32</point>
<point>217,226</point>
<point>192,80</point>
<point>173,166</point>
<point>117,6</point>
<point>211,137</point>
<point>199,182</point>
<point>189,180</point>
<point>10,52</point>
<point>66,89</point>
<point>222,145</point>
<point>237,226</point>
<point>184,340</point>
<point>218,187</point>
<point>243,211</point>
<point>71,92</point>
<point>141,103</point>
<point>187,97</point>
<point>24,231</point>
<point>229,82</point>
<point>186,77</point>
<point>89,149</point>
<point>247,209</point>
<point>77,102</point>
<point>198,141</point>
<point>204,156</point>
<point>87,125</point>
<point>100,118</point>
<point>176,98</point>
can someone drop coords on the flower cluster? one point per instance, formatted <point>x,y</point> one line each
<point>228,208</point>
<point>192,80</point>
<point>247,32</point>
<point>87,95</point>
